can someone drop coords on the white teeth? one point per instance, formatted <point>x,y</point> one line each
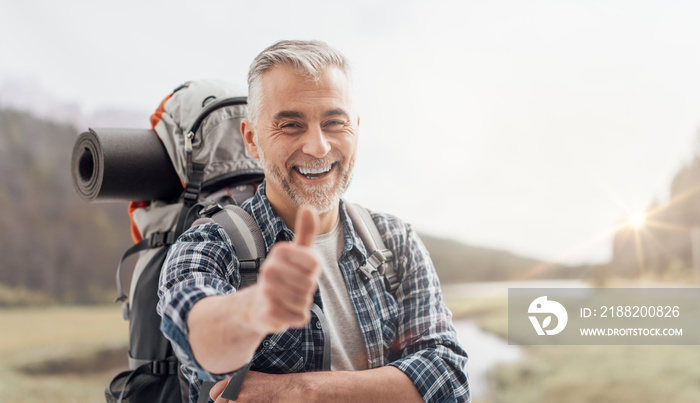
<point>313,171</point>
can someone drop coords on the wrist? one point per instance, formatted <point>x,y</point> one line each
<point>307,387</point>
<point>247,306</point>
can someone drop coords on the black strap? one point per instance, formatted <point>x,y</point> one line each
<point>221,103</point>
<point>156,240</point>
<point>204,389</point>
<point>169,366</point>
<point>326,337</point>
<point>234,385</point>
<point>190,196</point>
<point>138,247</point>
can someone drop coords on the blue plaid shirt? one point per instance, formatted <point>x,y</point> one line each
<point>410,330</point>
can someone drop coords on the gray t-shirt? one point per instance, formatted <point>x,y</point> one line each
<point>348,351</point>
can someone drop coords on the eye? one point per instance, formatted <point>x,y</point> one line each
<point>334,124</point>
<point>291,127</point>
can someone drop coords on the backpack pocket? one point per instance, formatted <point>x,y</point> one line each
<point>146,384</point>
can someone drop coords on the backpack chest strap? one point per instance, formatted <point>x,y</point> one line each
<point>380,258</point>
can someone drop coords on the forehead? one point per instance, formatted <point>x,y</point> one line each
<point>285,89</point>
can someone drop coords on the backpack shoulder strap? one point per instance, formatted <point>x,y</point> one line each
<point>156,240</point>
<point>380,258</point>
<point>246,237</point>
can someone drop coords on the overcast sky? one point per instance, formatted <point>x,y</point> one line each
<point>534,126</point>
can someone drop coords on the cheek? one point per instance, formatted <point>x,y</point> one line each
<point>276,150</point>
<point>348,146</point>
<point>285,157</point>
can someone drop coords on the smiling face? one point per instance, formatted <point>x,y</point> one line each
<point>305,137</point>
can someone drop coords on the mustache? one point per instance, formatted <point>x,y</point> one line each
<point>307,162</point>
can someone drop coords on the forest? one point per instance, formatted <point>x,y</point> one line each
<point>668,245</point>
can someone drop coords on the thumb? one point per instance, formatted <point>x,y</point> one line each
<point>306,226</point>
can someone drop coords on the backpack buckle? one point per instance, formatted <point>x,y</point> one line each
<point>159,239</point>
<point>190,196</point>
<point>375,261</point>
<point>163,367</point>
<point>250,265</point>
<point>210,210</point>
<point>126,310</point>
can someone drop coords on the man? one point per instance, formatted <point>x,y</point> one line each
<point>385,346</point>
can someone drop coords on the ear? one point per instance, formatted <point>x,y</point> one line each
<point>248,134</point>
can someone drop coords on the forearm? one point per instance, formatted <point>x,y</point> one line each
<point>221,332</point>
<point>384,384</point>
<point>216,329</point>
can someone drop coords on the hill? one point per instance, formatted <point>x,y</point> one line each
<point>58,244</point>
<point>52,241</point>
<point>457,262</point>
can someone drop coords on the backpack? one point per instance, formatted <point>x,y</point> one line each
<point>199,127</point>
<point>198,124</point>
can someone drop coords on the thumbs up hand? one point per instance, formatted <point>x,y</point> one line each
<point>306,226</point>
<point>288,278</point>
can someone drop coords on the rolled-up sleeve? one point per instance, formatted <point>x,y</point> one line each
<point>430,352</point>
<point>200,264</point>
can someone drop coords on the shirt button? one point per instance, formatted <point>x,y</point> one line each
<point>318,324</point>
<point>266,343</point>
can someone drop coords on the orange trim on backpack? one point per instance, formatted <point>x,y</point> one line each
<point>157,116</point>
<point>133,206</point>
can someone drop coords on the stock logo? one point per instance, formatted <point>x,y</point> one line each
<point>541,305</point>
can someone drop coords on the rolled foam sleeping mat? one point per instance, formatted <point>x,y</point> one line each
<point>123,164</point>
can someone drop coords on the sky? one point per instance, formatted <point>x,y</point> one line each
<point>533,126</point>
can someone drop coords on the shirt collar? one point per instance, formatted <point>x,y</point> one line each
<point>271,225</point>
<point>274,229</point>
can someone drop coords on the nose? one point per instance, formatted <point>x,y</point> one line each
<point>315,143</point>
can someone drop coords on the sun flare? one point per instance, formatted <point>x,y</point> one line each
<point>637,220</point>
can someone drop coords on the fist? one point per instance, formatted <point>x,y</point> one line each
<point>288,278</point>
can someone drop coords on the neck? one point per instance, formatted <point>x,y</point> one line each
<point>287,210</point>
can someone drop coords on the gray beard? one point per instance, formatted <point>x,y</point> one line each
<point>322,197</point>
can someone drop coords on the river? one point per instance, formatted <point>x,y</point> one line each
<point>486,350</point>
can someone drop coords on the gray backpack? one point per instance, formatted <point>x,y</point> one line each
<point>198,125</point>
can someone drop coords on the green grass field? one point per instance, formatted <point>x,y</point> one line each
<point>602,374</point>
<point>584,374</point>
<point>69,354</point>
<point>60,354</point>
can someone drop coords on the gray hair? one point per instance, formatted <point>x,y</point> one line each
<point>307,58</point>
